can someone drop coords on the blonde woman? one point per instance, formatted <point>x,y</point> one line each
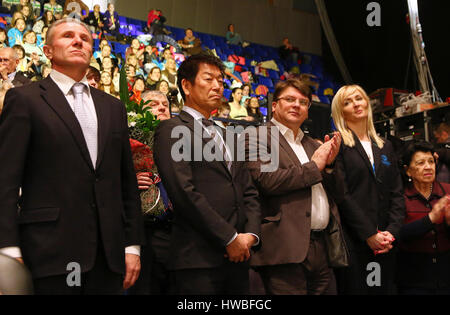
<point>372,205</point>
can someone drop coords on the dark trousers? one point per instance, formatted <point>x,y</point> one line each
<point>312,277</point>
<point>154,277</point>
<point>353,280</point>
<point>228,279</point>
<point>97,281</point>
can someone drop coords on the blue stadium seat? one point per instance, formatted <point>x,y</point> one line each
<point>265,81</point>
<point>305,68</point>
<point>273,74</point>
<point>227,93</point>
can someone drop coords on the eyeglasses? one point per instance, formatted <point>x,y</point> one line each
<point>4,60</point>
<point>292,100</point>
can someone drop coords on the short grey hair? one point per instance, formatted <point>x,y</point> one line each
<point>12,52</point>
<point>147,93</point>
<point>50,30</point>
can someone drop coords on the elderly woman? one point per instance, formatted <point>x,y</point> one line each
<point>371,204</point>
<point>424,256</point>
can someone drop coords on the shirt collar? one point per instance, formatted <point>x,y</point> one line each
<point>194,113</point>
<point>12,76</point>
<point>285,131</point>
<point>65,83</point>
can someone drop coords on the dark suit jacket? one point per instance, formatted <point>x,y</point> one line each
<point>371,201</point>
<point>67,207</point>
<point>210,203</point>
<point>286,198</point>
<point>20,80</point>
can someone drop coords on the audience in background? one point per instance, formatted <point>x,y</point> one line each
<point>253,110</point>
<point>3,38</point>
<point>288,52</point>
<point>95,20</point>
<point>75,8</point>
<point>170,73</point>
<point>234,38</point>
<point>15,34</point>
<point>112,24</point>
<point>237,110</point>
<point>191,45</point>
<point>153,78</point>
<point>55,8</point>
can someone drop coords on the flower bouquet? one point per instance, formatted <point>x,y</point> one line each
<point>142,124</point>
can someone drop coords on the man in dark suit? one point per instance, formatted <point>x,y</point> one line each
<point>298,211</point>
<point>66,146</point>
<point>216,208</point>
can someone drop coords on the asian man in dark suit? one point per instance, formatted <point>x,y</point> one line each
<point>216,206</point>
<point>66,146</point>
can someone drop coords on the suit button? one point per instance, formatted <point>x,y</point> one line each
<point>308,214</point>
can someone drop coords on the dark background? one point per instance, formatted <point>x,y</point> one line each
<point>378,57</point>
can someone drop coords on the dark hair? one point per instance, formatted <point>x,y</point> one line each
<point>189,68</point>
<point>17,46</point>
<point>296,84</point>
<point>232,92</point>
<point>92,71</point>
<point>229,25</point>
<point>416,146</point>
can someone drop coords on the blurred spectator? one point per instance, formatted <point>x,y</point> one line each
<point>138,89</point>
<point>155,23</point>
<point>18,5</point>
<point>24,65</point>
<point>46,69</point>
<point>42,37</point>
<point>442,137</point>
<point>191,45</point>
<point>234,38</point>
<point>106,52</point>
<point>288,52</point>
<point>133,60</point>
<point>36,4</point>
<point>3,38</point>
<point>137,49</point>
<point>170,73</point>
<point>254,111</point>
<point>28,16</point>
<point>8,68</point>
<point>237,110</point>
<point>33,51</point>
<point>15,34</point>
<point>150,54</point>
<point>44,21</point>
<point>16,15</point>
<point>424,257</point>
<point>75,9</point>
<point>95,20</point>
<point>163,86</point>
<point>222,112</point>
<point>112,24</point>
<point>106,84</point>
<point>153,78</point>
<point>55,8</point>
<point>93,77</point>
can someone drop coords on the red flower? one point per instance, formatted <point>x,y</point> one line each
<point>142,156</point>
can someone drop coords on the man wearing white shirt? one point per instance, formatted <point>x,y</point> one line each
<point>67,147</point>
<point>296,207</point>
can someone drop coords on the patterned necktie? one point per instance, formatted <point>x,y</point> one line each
<point>87,122</point>
<point>211,127</point>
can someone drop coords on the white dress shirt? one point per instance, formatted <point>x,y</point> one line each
<point>65,84</point>
<point>320,209</point>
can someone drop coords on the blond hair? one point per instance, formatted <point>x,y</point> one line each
<point>338,116</point>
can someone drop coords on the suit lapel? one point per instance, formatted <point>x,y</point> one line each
<point>57,101</point>
<point>284,145</point>
<point>198,132</point>
<point>376,156</point>
<point>103,121</point>
<point>363,154</point>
